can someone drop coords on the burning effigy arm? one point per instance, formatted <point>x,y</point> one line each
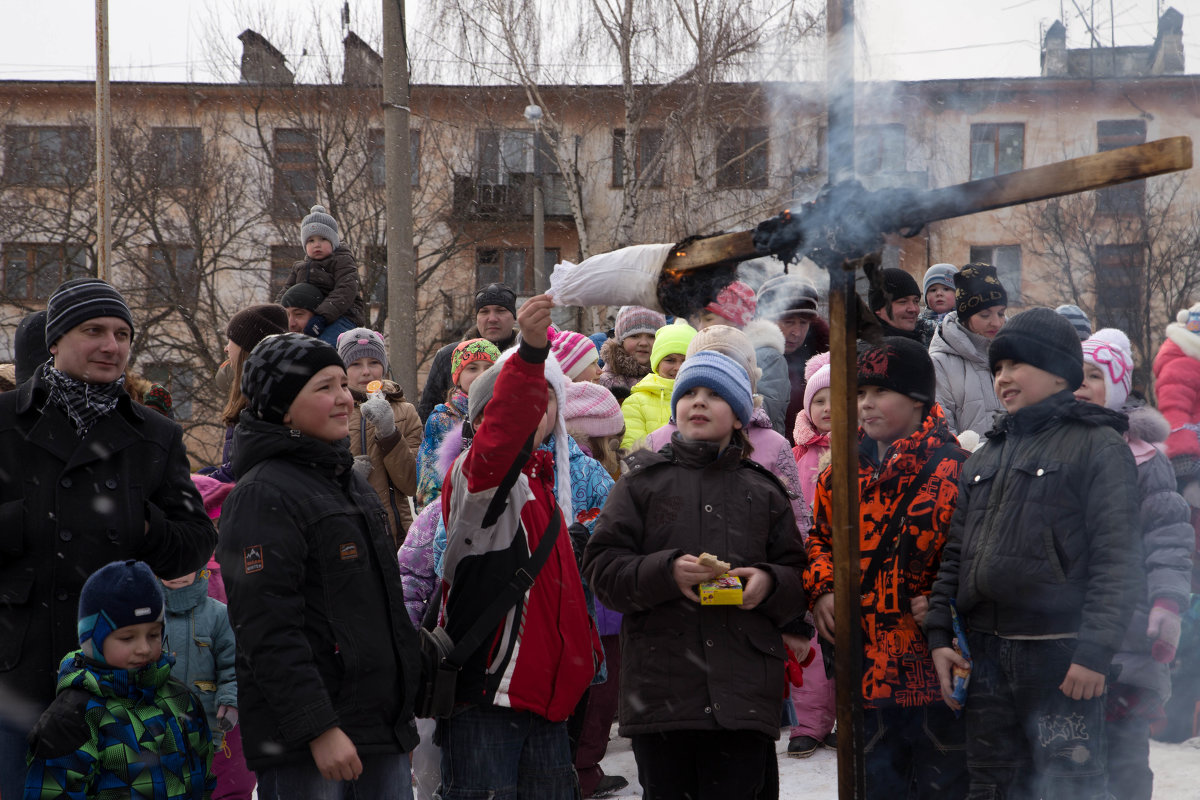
<point>844,221</point>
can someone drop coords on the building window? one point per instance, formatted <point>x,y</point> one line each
<point>649,145</point>
<point>34,271</point>
<point>47,155</point>
<point>997,149</point>
<point>510,266</point>
<point>509,156</point>
<point>177,154</point>
<point>377,165</point>
<point>295,172</point>
<point>1119,273</point>
<point>1006,258</point>
<point>1128,198</point>
<point>879,149</point>
<point>742,159</point>
<point>171,276</point>
<point>283,257</point>
<point>180,381</point>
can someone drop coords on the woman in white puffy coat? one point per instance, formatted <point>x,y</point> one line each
<point>959,350</point>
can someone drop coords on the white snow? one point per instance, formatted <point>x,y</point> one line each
<point>1176,771</point>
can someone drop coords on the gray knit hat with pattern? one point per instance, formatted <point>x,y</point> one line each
<point>278,368</point>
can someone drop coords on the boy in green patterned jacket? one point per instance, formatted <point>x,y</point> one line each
<point>120,726</point>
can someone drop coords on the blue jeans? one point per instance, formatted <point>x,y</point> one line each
<point>385,776</point>
<point>499,753</point>
<point>335,329</point>
<point>915,753</point>
<point>1025,738</point>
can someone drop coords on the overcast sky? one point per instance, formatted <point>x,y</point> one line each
<point>165,40</point>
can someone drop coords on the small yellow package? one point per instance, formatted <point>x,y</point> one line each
<point>724,590</point>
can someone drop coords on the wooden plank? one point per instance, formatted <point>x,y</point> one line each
<point>1082,174</point>
<point>1086,173</point>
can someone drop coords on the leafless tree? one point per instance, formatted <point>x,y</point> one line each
<point>1128,256</point>
<point>676,102</point>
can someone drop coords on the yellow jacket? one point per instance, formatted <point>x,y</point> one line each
<point>647,408</point>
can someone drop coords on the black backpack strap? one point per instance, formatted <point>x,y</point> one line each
<point>520,583</point>
<point>892,532</point>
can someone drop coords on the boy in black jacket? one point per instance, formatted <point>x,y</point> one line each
<point>1044,562</point>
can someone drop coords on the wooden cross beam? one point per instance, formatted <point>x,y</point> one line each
<point>1083,174</point>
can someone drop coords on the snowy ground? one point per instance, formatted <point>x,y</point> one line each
<point>1176,771</point>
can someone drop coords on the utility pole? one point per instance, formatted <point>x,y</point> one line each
<point>103,145</point>
<point>401,264</point>
<point>541,273</point>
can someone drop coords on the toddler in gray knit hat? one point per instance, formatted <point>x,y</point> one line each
<point>330,267</point>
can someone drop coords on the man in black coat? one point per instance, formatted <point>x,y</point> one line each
<point>495,320</point>
<point>86,477</point>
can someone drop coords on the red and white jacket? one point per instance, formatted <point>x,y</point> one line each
<point>545,652</point>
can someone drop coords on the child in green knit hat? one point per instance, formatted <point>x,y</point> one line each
<point>648,406</point>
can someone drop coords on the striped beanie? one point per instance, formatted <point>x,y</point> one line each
<point>574,351</point>
<point>720,374</point>
<point>636,319</point>
<point>80,299</point>
<point>592,410</point>
<point>1078,320</point>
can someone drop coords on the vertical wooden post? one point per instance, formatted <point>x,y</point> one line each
<point>398,166</point>
<point>103,127</point>
<point>843,329</point>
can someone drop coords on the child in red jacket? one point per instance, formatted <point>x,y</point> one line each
<point>501,497</point>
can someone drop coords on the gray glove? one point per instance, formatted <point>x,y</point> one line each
<point>378,412</point>
<point>362,466</point>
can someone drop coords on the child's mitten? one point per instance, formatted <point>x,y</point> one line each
<point>362,466</point>
<point>315,325</point>
<point>378,412</point>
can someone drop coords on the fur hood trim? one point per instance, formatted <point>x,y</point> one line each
<point>1148,424</point>
<point>1187,341</point>
<point>764,333</point>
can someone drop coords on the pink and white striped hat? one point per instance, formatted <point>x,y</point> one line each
<point>574,352</point>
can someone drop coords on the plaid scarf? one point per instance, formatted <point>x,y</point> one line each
<point>83,403</point>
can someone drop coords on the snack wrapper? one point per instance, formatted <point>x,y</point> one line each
<point>724,590</point>
<point>961,677</point>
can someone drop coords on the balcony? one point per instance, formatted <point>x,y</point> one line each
<point>477,200</point>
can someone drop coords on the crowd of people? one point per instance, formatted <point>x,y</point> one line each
<point>631,526</point>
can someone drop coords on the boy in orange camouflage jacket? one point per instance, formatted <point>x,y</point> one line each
<point>908,467</point>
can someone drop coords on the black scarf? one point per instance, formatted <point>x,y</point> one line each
<point>83,403</point>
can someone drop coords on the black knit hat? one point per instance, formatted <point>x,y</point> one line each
<point>899,364</point>
<point>76,301</point>
<point>249,326</point>
<point>1044,339</point>
<point>496,294</point>
<point>896,284</point>
<point>119,594</point>
<point>29,345</point>
<point>302,295</point>
<point>976,287</point>
<point>277,370</point>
